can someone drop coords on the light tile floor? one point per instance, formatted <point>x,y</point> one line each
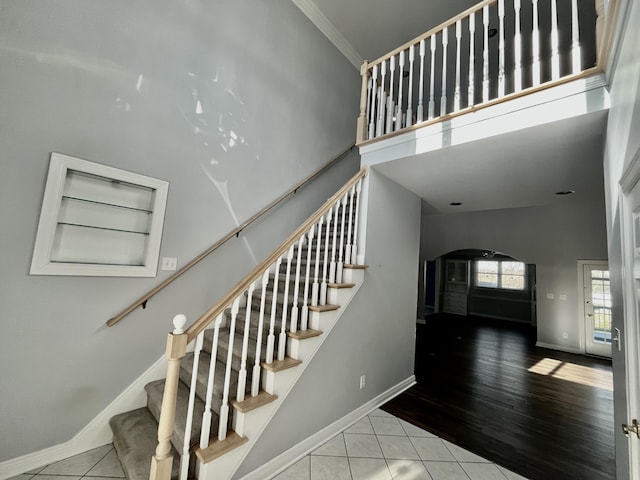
<point>378,447</point>
<point>383,447</point>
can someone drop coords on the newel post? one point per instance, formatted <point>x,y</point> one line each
<point>362,118</point>
<point>162,461</point>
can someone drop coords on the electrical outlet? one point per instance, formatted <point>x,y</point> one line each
<point>562,296</point>
<point>550,296</point>
<point>565,335</point>
<point>169,263</point>
<point>362,381</point>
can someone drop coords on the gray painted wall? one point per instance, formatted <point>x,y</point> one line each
<point>118,82</point>
<point>375,336</point>
<point>621,150</point>
<point>552,237</point>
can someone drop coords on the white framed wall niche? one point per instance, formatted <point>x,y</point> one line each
<point>98,220</point>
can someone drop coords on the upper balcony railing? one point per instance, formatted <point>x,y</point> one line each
<point>490,53</point>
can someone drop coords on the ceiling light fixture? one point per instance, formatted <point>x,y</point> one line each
<point>565,192</point>
<point>455,204</point>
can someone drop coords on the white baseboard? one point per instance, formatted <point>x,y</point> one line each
<point>291,456</point>
<point>560,348</point>
<point>96,433</point>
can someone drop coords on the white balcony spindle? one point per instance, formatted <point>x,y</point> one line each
<point>472,59</point>
<point>354,246</point>
<point>399,114</point>
<point>555,42</point>
<point>535,47</point>
<point>207,414</point>
<point>501,47</point>
<point>485,54</point>
<point>576,63</point>
<point>392,72</point>
<point>456,95</point>
<point>325,264</point>
<point>255,374</point>
<point>432,84</point>
<point>369,110</point>
<point>517,48</point>
<point>184,458</point>
<point>347,252</point>
<point>242,374</point>
<point>285,307</point>
<point>315,287</point>
<point>420,108</point>
<point>372,108</point>
<point>381,99</point>
<point>412,56</point>
<point>224,408</point>
<point>340,265</point>
<point>443,87</point>
<point>296,289</point>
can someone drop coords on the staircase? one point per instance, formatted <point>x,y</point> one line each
<point>285,309</point>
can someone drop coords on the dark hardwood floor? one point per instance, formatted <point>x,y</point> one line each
<point>485,386</point>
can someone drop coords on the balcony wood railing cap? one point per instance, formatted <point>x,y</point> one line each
<point>142,301</point>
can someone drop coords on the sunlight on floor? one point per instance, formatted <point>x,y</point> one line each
<point>572,372</point>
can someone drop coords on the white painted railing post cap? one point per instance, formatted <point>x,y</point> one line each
<point>179,321</point>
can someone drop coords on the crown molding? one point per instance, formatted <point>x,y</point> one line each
<point>313,13</point>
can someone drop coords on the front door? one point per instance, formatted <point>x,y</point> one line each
<point>597,309</point>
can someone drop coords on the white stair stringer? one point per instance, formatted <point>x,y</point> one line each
<point>253,423</point>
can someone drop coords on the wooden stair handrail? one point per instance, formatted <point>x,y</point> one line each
<point>207,317</point>
<point>234,233</point>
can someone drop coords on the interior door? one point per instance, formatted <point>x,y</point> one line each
<point>597,309</point>
<point>629,338</point>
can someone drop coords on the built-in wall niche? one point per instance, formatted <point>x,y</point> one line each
<point>98,220</point>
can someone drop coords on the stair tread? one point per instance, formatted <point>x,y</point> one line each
<point>135,437</point>
<point>279,365</point>
<point>219,448</point>
<point>302,334</point>
<point>251,403</point>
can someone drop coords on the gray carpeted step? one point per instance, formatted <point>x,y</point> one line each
<point>135,437</point>
<point>186,368</point>
<point>155,391</point>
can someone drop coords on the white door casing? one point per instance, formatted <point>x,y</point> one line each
<point>595,307</point>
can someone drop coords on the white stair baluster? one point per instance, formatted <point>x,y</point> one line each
<point>206,415</point>
<point>576,63</point>
<point>382,99</point>
<point>285,306</point>
<point>390,99</point>
<point>409,118</point>
<point>271,338</point>
<point>399,114</point>
<point>296,289</point>
<point>555,42</point>
<point>472,59</point>
<point>325,264</point>
<point>420,110</point>
<point>242,374</point>
<point>517,48</point>
<point>369,111</point>
<point>347,254</point>
<point>501,67</point>
<point>224,409</point>
<point>255,375</point>
<point>443,89</point>
<point>315,288</point>
<point>372,109</point>
<point>184,458</point>
<point>354,247</point>
<point>304,318</point>
<point>340,265</point>
<point>535,47</point>
<point>456,95</point>
<point>432,86</point>
<point>332,264</point>
<point>485,54</point>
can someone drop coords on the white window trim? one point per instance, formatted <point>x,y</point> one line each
<point>499,274</point>
<point>41,263</point>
